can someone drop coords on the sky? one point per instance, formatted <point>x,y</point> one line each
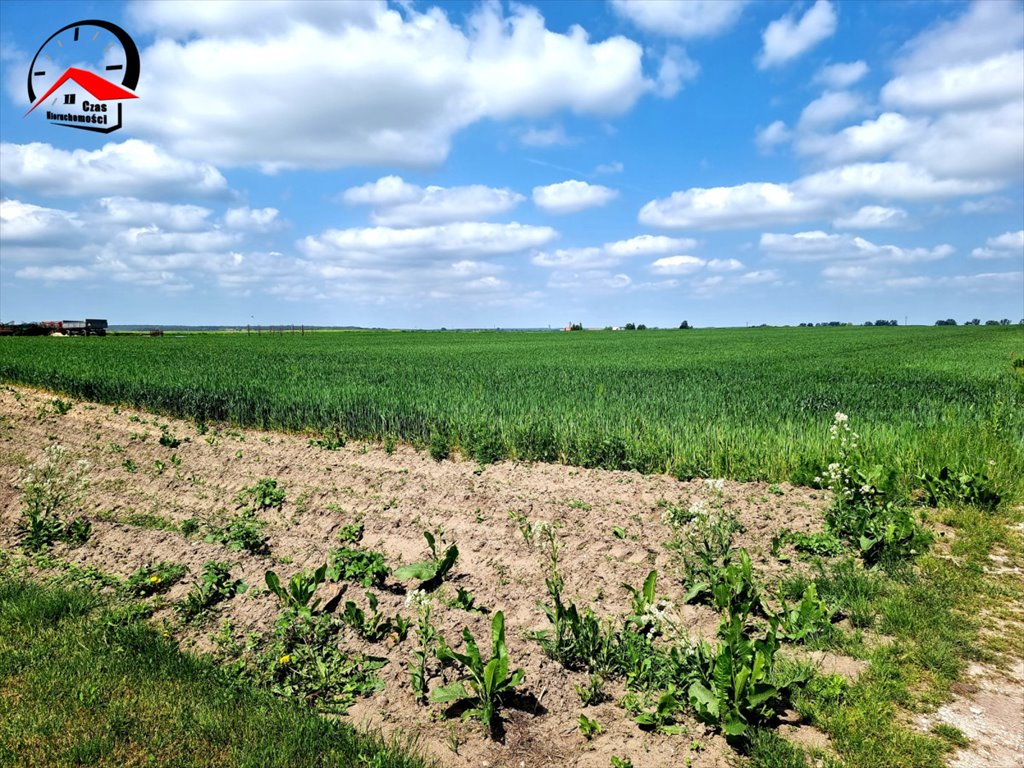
<point>423,165</point>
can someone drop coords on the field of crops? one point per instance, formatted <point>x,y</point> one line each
<point>744,404</point>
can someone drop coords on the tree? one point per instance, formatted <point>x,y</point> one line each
<point>975,321</point>
<point>629,327</point>
<point>950,321</point>
<point>641,327</point>
<point>684,326</point>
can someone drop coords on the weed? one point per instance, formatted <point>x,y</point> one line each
<point>373,626</point>
<point>361,566</point>
<point>189,526</point>
<point>589,728</point>
<point>243,531</point>
<point>61,407</point>
<point>465,601</point>
<point>974,489</point>
<point>130,466</point>
<point>154,579</point>
<point>663,718</point>
<point>215,585</point>
<point>351,533</point>
<point>431,572</point>
<point>593,692</point>
<point>618,532</point>
<point>332,443</point>
<point>167,440</point>
<point>389,444</point>
<point>300,590</point>
<point>488,679</point>
<point>820,544</point>
<point>427,639</point>
<point>50,488</point>
<point>265,494</point>
<point>809,619</point>
<point>439,446</point>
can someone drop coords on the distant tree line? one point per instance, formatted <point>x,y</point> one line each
<point>977,321</point>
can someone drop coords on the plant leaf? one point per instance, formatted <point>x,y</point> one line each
<point>449,693</point>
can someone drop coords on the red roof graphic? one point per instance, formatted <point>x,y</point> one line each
<point>102,90</point>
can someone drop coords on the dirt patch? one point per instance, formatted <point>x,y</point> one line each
<point>609,526</point>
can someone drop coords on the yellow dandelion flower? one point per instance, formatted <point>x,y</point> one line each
<point>284,659</point>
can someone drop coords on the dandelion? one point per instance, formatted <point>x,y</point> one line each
<point>154,579</point>
<point>286,659</point>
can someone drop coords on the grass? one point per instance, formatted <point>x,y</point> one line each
<point>738,403</point>
<point>931,615</point>
<point>87,684</point>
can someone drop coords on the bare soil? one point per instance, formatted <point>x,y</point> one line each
<point>397,496</point>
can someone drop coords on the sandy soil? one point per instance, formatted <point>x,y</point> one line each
<point>397,497</point>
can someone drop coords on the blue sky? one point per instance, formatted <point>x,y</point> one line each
<point>424,164</point>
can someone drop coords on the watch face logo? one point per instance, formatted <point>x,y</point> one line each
<point>83,74</point>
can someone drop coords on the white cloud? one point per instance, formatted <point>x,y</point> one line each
<point>130,211</point>
<point>681,18</point>
<point>786,38</point>
<point>770,137</point>
<point>252,219</point>
<point>377,86</point>
<point>132,167</point>
<point>986,205</point>
<point>646,245</point>
<point>675,70</point>
<point>839,76</point>
<point>821,246</point>
<point>830,107</point>
<point>611,254</point>
<point>760,203</point>
<point>985,29</point>
<point>24,223</point>
<point>761,276</point>
<point>992,81</point>
<point>897,180</point>
<point>872,217</point>
<point>400,204</point>
<point>613,167</point>
<point>744,205</point>
<point>544,137</point>
<point>381,245</point>
<point>572,196</point>
<point>677,265</point>
<point>1005,246</point>
<point>871,139</point>
<point>53,274</point>
<point>725,265</point>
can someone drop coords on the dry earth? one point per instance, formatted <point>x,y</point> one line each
<point>398,496</point>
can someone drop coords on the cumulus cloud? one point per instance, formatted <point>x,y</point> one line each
<point>744,205</point>
<point>725,265</point>
<point>872,217</point>
<point>830,107</point>
<point>130,211</point>
<point>677,265</point>
<point>1005,246</point>
<point>675,70</point>
<point>787,38</point>
<point>132,167</point>
<point>681,18</point>
<point>372,86</point>
<point>400,204</point>
<point>459,240</point>
<point>821,246</point>
<point>992,81</point>
<point>770,137</point>
<point>544,137</point>
<point>611,254</point>
<point>839,76</point>
<point>572,196</point>
<point>24,223</point>
<point>252,219</point>
<point>53,274</point>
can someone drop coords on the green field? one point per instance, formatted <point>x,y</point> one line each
<point>744,403</point>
